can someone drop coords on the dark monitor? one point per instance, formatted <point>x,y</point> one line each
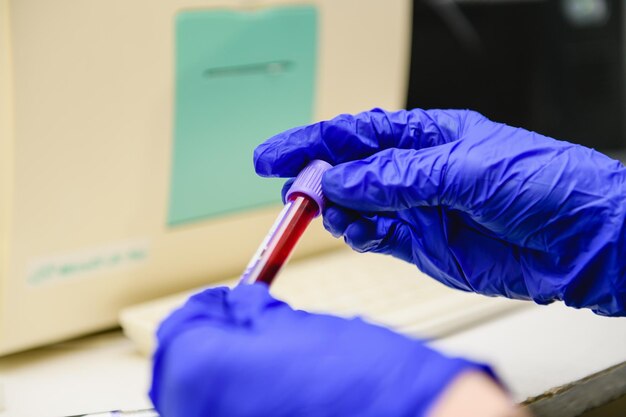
<point>553,66</point>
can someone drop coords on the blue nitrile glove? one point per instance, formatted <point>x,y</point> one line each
<point>478,205</point>
<point>240,353</point>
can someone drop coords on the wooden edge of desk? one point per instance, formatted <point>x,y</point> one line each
<point>577,397</point>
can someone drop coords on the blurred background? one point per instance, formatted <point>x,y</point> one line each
<point>556,67</point>
<point>127,129</point>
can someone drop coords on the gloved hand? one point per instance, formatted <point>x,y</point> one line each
<point>478,205</point>
<point>243,353</point>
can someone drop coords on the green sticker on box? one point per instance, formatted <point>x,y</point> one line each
<point>241,77</point>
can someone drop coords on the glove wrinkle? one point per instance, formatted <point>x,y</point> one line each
<point>459,268</point>
<point>245,304</point>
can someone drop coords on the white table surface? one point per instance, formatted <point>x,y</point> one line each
<point>532,349</point>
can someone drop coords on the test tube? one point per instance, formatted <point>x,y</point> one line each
<point>304,202</point>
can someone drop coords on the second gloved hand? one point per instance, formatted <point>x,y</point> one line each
<point>243,353</point>
<point>478,205</point>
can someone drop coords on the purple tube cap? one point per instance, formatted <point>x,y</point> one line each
<point>309,183</point>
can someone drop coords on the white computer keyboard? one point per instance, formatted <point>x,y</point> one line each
<point>379,288</point>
